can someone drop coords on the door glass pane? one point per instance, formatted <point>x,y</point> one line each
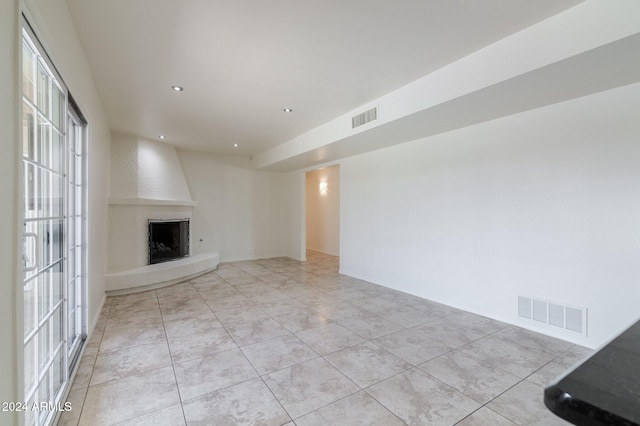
<point>57,184</point>
<point>78,253</point>
<point>78,207</point>
<point>44,89</point>
<point>45,193</point>
<point>44,143</point>
<point>57,284</point>
<point>33,204</point>
<point>44,251</point>
<point>70,238</point>
<point>30,299</point>
<point>30,377</point>
<point>57,240</point>
<point>57,152</point>
<point>30,179</point>
<point>72,310</point>
<point>28,130</point>
<point>71,170</point>
<point>44,347</point>
<point>72,330</point>
<point>79,233</point>
<point>28,86</point>
<point>44,294</point>
<point>78,158</point>
<point>57,328</point>
<point>30,250</point>
<point>58,372</point>
<point>44,391</point>
<point>57,107</point>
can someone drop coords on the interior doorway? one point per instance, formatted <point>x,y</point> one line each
<point>323,211</point>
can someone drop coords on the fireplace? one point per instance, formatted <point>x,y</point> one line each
<point>168,240</point>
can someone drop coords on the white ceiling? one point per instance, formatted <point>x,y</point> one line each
<point>241,62</point>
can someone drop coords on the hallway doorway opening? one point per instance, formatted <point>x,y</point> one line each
<point>323,211</point>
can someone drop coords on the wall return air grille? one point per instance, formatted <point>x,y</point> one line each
<point>570,318</point>
<point>364,118</point>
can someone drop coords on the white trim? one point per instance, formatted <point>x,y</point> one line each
<point>134,201</point>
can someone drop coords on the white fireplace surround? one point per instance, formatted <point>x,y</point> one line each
<point>147,182</point>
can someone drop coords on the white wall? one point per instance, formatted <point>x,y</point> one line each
<point>323,210</point>
<point>294,205</point>
<point>9,183</point>
<point>240,212</point>
<point>543,203</point>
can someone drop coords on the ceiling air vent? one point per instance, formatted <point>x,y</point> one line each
<point>364,118</point>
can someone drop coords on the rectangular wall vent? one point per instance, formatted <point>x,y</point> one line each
<point>539,311</point>
<point>364,118</point>
<point>554,314</point>
<point>524,307</point>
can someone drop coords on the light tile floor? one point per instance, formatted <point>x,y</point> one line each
<point>277,341</point>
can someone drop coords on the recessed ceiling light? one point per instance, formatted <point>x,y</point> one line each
<point>177,88</point>
<point>162,136</point>
<point>288,110</point>
<point>235,145</point>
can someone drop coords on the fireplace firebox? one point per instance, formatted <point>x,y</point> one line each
<point>168,240</point>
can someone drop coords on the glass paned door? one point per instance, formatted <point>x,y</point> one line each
<point>53,258</point>
<point>75,234</point>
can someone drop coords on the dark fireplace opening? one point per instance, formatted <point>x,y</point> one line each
<point>168,240</point>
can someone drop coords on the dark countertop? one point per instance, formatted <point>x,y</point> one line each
<point>605,388</point>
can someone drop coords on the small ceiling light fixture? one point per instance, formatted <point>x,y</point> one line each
<point>235,145</point>
<point>177,88</point>
<point>288,110</point>
<point>162,136</point>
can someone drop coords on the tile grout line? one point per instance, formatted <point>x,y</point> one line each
<point>173,368</point>
<point>84,399</point>
<point>249,361</point>
<point>243,354</point>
